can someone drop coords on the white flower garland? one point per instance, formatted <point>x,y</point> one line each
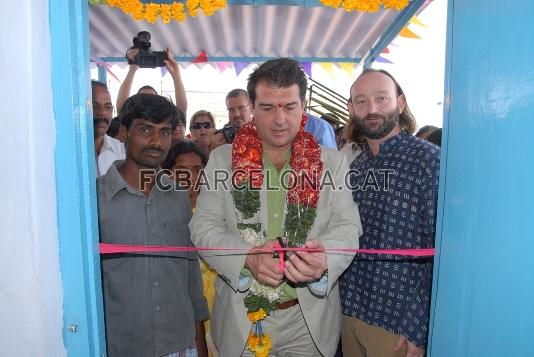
<point>269,292</point>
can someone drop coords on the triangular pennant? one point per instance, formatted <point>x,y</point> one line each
<point>164,71</point>
<point>328,67</point>
<point>306,67</point>
<point>414,20</point>
<point>106,65</point>
<point>223,66</point>
<point>201,58</point>
<point>383,60</point>
<point>406,32</point>
<point>184,65</point>
<point>240,66</point>
<point>347,67</point>
<point>386,50</point>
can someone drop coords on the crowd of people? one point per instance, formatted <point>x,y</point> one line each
<point>273,177</point>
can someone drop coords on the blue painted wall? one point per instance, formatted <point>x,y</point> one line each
<point>483,299</point>
<point>83,329</point>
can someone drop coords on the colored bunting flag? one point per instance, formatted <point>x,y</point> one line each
<point>386,50</point>
<point>348,67</point>
<point>106,65</point>
<point>223,66</point>
<point>164,71</point>
<point>406,32</point>
<point>328,67</point>
<point>240,66</point>
<point>306,67</point>
<point>201,58</point>
<point>383,60</point>
<point>414,20</point>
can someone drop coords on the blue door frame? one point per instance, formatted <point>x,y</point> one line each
<point>483,296</point>
<point>482,302</point>
<point>83,329</point>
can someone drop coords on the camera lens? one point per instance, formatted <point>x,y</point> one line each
<point>147,61</point>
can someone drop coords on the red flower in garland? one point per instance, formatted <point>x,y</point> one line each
<point>247,161</point>
<point>308,167</point>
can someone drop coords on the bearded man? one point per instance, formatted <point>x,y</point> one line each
<point>394,182</point>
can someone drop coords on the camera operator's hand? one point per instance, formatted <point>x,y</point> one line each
<point>171,64</point>
<point>131,54</point>
<point>179,90</point>
<point>217,139</point>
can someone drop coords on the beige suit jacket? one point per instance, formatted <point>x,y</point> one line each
<point>214,225</point>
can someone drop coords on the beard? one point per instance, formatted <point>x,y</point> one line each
<point>389,121</point>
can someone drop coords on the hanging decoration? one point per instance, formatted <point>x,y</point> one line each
<point>302,198</point>
<point>176,10</point>
<point>366,5</point>
<point>383,60</point>
<point>406,32</point>
<point>202,57</point>
<point>347,67</point>
<point>240,66</point>
<point>307,68</point>
<point>222,66</point>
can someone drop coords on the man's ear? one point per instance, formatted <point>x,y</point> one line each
<point>401,103</point>
<point>349,107</point>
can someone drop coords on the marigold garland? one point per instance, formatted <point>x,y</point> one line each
<point>302,199</point>
<point>175,11</point>
<point>178,10</point>
<point>366,5</point>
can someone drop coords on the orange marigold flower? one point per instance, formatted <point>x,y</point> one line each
<point>152,11</point>
<point>166,13</point>
<point>256,315</point>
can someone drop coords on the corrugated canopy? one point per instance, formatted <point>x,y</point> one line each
<point>255,33</point>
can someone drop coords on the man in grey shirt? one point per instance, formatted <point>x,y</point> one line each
<point>154,303</point>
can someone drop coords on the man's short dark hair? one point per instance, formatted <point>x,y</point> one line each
<point>237,92</point>
<point>154,108</point>
<point>435,137</point>
<point>114,127</point>
<point>427,129</point>
<point>147,87</point>
<point>184,147</point>
<point>281,73</point>
<point>95,83</point>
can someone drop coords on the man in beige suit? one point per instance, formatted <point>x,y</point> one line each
<point>300,296</point>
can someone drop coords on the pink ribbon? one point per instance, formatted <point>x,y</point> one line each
<point>107,248</point>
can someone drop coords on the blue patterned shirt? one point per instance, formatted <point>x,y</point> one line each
<point>396,192</point>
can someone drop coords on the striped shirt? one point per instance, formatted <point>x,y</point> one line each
<point>396,192</point>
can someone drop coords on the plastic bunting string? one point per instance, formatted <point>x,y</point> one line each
<point>106,248</point>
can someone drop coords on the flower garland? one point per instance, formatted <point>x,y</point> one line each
<point>302,198</point>
<point>366,5</point>
<point>167,12</point>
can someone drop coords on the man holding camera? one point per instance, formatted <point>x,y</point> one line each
<point>238,105</point>
<point>140,56</point>
<point>239,113</point>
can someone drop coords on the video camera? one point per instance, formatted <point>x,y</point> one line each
<point>229,131</point>
<point>146,58</point>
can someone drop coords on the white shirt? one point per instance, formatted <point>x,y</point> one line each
<point>112,150</point>
<point>351,151</point>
